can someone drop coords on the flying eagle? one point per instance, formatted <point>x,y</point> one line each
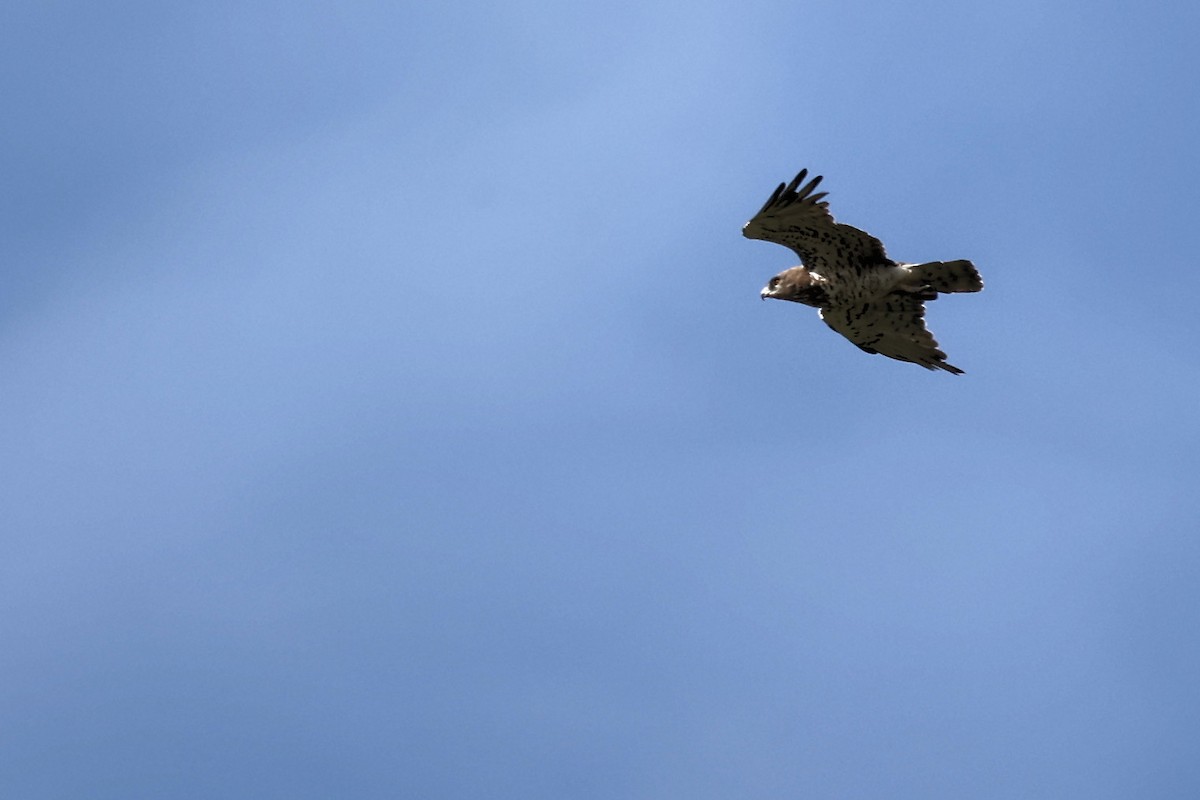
<point>862,294</point>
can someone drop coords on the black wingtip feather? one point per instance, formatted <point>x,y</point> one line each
<point>808,187</point>
<point>787,194</point>
<point>773,198</point>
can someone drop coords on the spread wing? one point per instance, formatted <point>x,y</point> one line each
<point>893,326</point>
<point>799,219</point>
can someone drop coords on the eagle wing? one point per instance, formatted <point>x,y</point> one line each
<point>797,218</point>
<point>894,327</point>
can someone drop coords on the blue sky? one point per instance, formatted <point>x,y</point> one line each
<point>388,408</point>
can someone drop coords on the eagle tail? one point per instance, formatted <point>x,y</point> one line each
<point>948,276</point>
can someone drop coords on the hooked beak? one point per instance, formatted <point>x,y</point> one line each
<point>764,294</point>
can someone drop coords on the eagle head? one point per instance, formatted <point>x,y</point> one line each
<point>797,285</point>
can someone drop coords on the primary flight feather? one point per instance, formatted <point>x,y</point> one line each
<point>862,294</point>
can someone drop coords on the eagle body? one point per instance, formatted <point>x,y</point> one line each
<point>875,302</point>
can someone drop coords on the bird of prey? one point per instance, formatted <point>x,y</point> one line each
<point>862,294</point>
